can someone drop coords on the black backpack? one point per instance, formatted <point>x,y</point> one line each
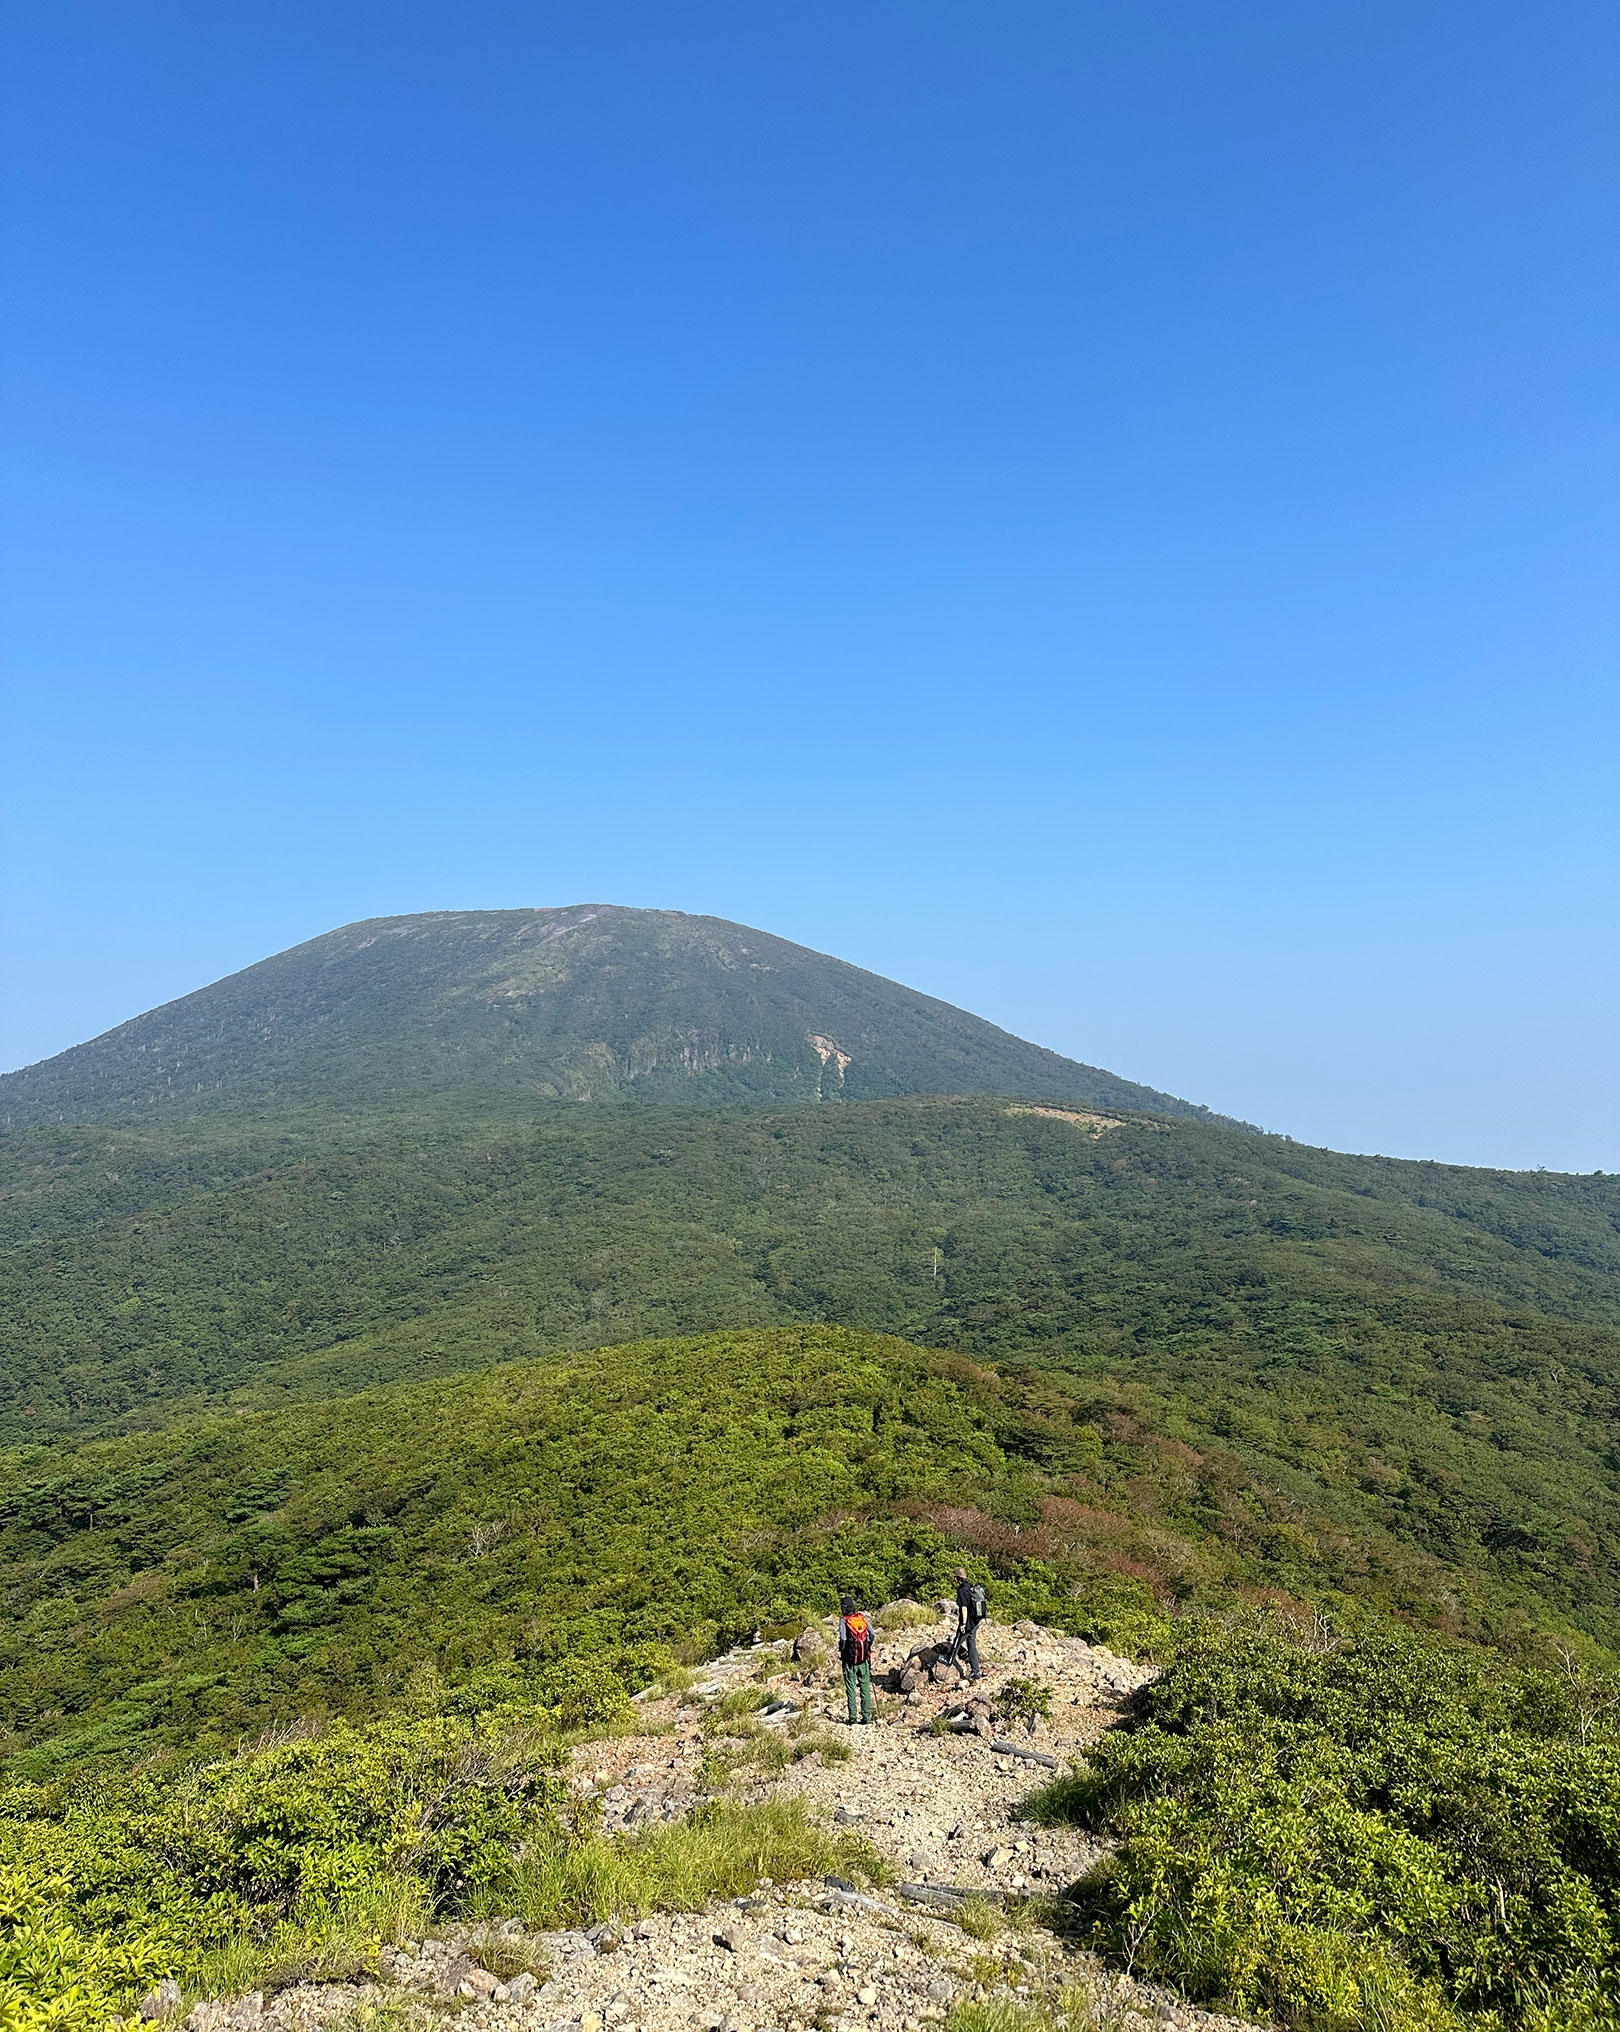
<point>978,1603</point>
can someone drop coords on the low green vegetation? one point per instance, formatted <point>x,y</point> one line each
<point>300,1859</point>
<point>1399,1351</point>
<point>1082,2008</point>
<point>201,1585</point>
<point>281,1685</point>
<point>1373,1831</point>
<point>231,1626</point>
<point>347,1460</point>
<point>720,1850</point>
<point>280,1860</point>
<point>193,1587</point>
<point>1022,1700</point>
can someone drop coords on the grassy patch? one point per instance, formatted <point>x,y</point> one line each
<point>902,1615</point>
<point>742,1700</point>
<point>978,1918</point>
<point>1023,1700</point>
<point>998,2014</point>
<point>720,1851</point>
<point>1072,2009</point>
<point>832,1749</point>
<point>761,1752</point>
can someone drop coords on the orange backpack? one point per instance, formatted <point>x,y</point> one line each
<point>858,1636</point>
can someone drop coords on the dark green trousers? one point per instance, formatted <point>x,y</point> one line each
<point>859,1676</point>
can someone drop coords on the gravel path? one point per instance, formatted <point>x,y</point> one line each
<point>806,1957</point>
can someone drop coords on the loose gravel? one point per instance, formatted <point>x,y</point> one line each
<point>938,1803</point>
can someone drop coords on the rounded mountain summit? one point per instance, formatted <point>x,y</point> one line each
<point>491,1010</point>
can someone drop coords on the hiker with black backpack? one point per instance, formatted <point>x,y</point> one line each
<point>972,1608</point>
<point>855,1655</point>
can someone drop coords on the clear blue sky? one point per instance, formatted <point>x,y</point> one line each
<point>1108,514</point>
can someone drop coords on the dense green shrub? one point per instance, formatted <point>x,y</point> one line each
<point>677,1493</point>
<point>303,1857</point>
<point>1370,1832</point>
<point>528,1521</point>
<point>113,1879</point>
<point>1350,1368</point>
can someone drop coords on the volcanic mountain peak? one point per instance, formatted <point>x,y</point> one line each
<point>495,1009</point>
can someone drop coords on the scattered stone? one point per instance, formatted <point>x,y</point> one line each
<point>811,1953</point>
<point>162,2001</point>
<point>227,2014</point>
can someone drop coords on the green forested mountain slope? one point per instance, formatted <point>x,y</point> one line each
<point>327,1378</point>
<point>1424,1350</point>
<point>320,1557</point>
<point>271,1685</point>
<point>202,1583</point>
<point>978,1223</point>
<point>502,1009</point>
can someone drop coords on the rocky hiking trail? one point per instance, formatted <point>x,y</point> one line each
<point>933,1784</point>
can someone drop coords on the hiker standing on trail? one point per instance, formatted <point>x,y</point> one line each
<point>855,1655</point>
<point>972,1607</point>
